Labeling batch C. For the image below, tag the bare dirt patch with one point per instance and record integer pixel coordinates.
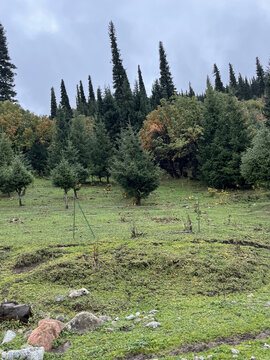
(165, 220)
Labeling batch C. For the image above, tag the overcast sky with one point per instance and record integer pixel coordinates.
(50, 40)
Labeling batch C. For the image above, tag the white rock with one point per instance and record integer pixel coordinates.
(110, 329)
(105, 318)
(199, 358)
(113, 323)
(35, 353)
(178, 319)
(20, 331)
(9, 336)
(153, 325)
(77, 293)
(138, 314)
(153, 311)
(235, 351)
(130, 317)
(253, 358)
(210, 357)
(116, 319)
(266, 346)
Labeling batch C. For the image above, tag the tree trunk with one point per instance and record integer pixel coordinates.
(108, 179)
(66, 199)
(75, 193)
(20, 198)
(138, 201)
(10, 311)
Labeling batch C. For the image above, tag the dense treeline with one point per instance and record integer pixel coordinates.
(215, 136)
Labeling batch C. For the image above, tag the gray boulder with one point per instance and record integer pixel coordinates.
(153, 325)
(77, 293)
(9, 336)
(35, 353)
(83, 323)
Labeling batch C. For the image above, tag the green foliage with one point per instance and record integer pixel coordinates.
(225, 138)
(260, 78)
(71, 154)
(171, 134)
(6, 152)
(166, 82)
(109, 114)
(218, 83)
(255, 166)
(133, 168)
(53, 104)
(266, 110)
(64, 102)
(6, 70)
(100, 152)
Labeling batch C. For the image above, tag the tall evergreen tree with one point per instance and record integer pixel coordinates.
(110, 115)
(64, 103)
(6, 152)
(156, 95)
(266, 109)
(82, 105)
(218, 83)
(191, 92)
(80, 137)
(260, 77)
(166, 81)
(53, 104)
(233, 81)
(7, 73)
(92, 108)
(99, 102)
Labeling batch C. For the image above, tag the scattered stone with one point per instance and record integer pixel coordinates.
(138, 320)
(105, 318)
(77, 293)
(15, 219)
(60, 298)
(233, 302)
(199, 358)
(60, 318)
(9, 336)
(153, 311)
(183, 359)
(27, 334)
(83, 323)
(1, 351)
(266, 346)
(235, 356)
(153, 325)
(130, 317)
(267, 304)
(116, 319)
(137, 314)
(12, 310)
(250, 295)
(62, 348)
(209, 357)
(46, 332)
(35, 353)
(146, 317)
(113, 323)
(178, 319)
(110, 329)
(253, 358)
(235, 351)
(20, 331)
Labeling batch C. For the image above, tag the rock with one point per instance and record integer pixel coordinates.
(130, 317)
(62, 348)
(9, 336)
(27, 334)
(11, 310)
(153, 311)
(77, 293)
(60, 298)
(113, 323)
(35, 353)
(116, 319)
(266, 346)
(250, 295)
(267, 304)
(138, 320)
(253, 358)
(199, 358)
(20, 331)
(105, 318)
(153, 325)
(233, 302)
(137, 314)
(178, 319)
(1, 351)
(60, 318)
(83, 323)
(46, 332)
(235, 351)
(209, 357)
(110, 329)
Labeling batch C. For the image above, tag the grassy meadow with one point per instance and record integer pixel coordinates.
(207, 285)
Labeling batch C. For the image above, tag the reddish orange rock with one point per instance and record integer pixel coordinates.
(45, 333)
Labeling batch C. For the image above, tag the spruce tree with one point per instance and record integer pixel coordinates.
(92, 106)
(110, 115)
(166, 81)
(260, 77)
(233, 82)
(100, 152)
(82, 105)
(6, 152)
(156, 95)
(191, 92)
(266, 109)
(7, 73)
(144, 104)
(218, 83)
(80, 137)
(64, 103)
(53, 104)
(133, 168)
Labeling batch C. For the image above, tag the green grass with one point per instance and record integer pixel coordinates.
(203, 277)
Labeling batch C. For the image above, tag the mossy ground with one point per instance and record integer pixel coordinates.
(203, 277)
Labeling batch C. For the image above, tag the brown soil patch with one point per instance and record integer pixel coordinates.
(165, 220)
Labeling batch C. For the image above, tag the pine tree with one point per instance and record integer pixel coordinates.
(92, 108)
(260, 77)
(133, 168)
(191, 92)
(233, 82)
(99, 102)
(82, 105)
(218, 83)
(64, 103)
(266, 109)
(6, 152)
(65, 177)
(144, 101)
(100, 152)
(156, 95)
(110, 115)
(79, 136)
(7, 73)
(166, 81)
(53, 104)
